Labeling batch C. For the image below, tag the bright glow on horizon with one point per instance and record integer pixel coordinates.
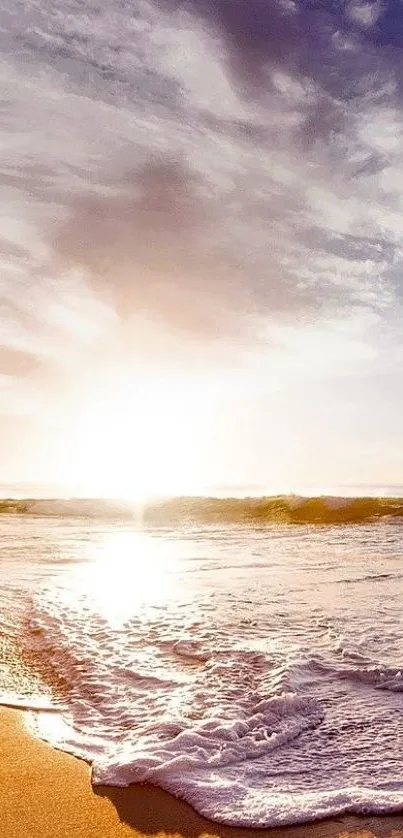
(138, 440)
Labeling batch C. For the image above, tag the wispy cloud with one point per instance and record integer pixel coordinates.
(211, 174)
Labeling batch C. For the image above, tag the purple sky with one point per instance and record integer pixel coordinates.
(201, 242)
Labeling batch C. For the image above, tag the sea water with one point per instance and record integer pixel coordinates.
(255, 672)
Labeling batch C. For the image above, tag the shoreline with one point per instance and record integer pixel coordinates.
(47, 793)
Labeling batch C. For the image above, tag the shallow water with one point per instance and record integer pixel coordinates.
(254, 672)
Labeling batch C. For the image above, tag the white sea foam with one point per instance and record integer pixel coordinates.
(256, 674)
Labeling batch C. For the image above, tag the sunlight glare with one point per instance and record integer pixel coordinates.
(130, 570)
(139, 441)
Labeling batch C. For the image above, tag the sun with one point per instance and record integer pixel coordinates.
(139, 440)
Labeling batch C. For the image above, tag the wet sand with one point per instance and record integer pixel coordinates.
(48, 794)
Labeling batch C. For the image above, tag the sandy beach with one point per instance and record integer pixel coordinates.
(48, 794)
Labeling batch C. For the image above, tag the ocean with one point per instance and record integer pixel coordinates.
(255, 671)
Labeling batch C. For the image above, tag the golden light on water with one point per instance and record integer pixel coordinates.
(129, 570)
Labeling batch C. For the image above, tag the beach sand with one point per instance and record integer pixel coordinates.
(48, 794)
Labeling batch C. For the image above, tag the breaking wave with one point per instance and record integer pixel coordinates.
(285, 509)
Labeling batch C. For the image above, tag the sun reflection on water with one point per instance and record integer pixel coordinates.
(128, 570)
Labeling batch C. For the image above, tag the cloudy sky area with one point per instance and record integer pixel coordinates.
(202, 242)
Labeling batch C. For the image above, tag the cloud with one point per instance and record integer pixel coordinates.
(195, 175)
(260, 37)
(364, 14)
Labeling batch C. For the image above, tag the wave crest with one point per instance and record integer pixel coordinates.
(286, 509)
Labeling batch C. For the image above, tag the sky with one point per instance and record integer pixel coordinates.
(201, 243)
